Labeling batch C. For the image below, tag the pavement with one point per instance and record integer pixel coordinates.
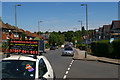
(80, 55)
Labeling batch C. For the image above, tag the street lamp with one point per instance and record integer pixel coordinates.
(16, 18)
(39, 27)
(81, 25)
(86, 28)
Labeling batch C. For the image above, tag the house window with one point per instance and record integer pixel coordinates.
(25, 36)
(6, 31)
(9, 30)
(30, 38)
(7, 37)
(16, 35)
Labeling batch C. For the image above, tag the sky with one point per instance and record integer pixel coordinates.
(59, 16)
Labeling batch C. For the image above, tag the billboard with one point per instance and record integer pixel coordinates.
(25, 47)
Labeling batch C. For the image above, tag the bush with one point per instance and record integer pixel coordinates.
(116, 48)
(47, 46)
(102, 48)
(81, 46)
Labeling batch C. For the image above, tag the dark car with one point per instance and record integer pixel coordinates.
(66, 45)
(52, 48)
(56, 47)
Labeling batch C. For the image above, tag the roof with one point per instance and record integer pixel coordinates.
(17, 30)
(106, 28)
(3, 26)
(28, 33)
(21, 57)
(100, 29)
(116, 23)
(9, 26)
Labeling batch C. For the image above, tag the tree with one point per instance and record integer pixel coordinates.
(61, 39)
(39, 32)
(83, 31)
(53, 40)
(23, 36)
(68, 35)
(59, 32)
(36, 38)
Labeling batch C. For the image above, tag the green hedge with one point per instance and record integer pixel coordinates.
(102, 48)
(105, 49)
(116, 48)
(81, 46)
(47, 46)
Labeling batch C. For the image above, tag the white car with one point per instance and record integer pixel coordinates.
(27, 67)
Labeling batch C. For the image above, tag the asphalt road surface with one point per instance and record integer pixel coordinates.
(67, 68)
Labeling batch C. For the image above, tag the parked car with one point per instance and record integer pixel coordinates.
(56, 47)
(62, 46)
(66, 45)
(68, 51)
(52, 48)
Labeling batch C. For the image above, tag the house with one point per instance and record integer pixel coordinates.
(100, 32)
(115, 29)
(10, 32)
(106, 31)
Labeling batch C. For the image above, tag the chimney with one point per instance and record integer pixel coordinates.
(34, 32)
(6, 24)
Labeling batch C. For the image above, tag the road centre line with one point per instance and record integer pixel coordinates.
(66, 73)
(70, 65)
(64, 76)
(68, 69)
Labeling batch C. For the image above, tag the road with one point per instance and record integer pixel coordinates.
(67, 68)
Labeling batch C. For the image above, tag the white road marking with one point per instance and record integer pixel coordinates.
(68, 69)
(66, 72)
(72, 61)
(64, 76)
(70, 65)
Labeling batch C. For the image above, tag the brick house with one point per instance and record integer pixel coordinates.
(10, 32)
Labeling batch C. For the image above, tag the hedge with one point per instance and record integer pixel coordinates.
(102, 48)
(81, 46)
(116, 48)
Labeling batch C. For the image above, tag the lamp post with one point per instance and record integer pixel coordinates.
(86, 28)
(81, 27)
(39, 27)
(16, 18)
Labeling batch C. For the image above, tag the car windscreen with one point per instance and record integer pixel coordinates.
(18, 69)
(68, 48)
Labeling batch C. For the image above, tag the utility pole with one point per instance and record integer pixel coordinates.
(86, 28)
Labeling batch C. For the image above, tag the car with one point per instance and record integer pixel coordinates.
(66, 45)
(68, 51)
(62, 46)
(52, 48)
(27, 67)
(56, 47)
